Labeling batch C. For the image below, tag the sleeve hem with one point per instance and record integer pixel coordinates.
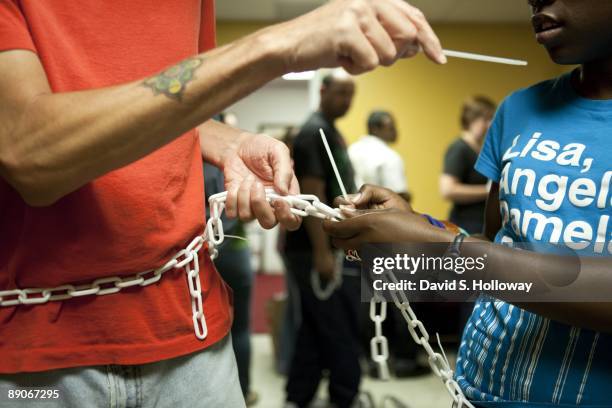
(488, 170)
(18, 47)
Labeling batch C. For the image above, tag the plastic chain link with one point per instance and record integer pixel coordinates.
(303, 205)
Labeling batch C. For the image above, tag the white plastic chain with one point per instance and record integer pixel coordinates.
(379, 346)
(303, 205)
(186, 258)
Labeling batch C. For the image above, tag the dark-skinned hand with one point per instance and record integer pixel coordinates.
(372, 197)
(386, 225)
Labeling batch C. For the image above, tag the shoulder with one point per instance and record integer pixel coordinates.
(310, 128)
(316, 121)
(534, 96)
(358, 146)
(393, 156)
(307, 127)
(457, 146)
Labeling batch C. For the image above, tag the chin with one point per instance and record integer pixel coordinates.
(565, 56)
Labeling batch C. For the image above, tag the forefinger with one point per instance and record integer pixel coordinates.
(340, 200)
(425, 34)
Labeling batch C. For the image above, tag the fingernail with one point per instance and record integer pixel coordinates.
(443, 59)
(356, 198)
(347, 208)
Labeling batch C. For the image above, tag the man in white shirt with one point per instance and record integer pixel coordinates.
(374, 161)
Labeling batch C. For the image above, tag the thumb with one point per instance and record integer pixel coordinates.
(341, 229)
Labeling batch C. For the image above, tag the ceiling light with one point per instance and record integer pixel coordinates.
(299, 76)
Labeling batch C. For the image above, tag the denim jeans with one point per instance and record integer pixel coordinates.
(207, 378)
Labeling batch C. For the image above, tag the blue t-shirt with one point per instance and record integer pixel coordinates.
(550, 150)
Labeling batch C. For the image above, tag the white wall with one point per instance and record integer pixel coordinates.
(279, 102)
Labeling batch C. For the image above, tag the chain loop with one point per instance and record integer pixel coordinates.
(104, 281)
(59, 296)
(33, 300)
(84, 290)
(379, 345)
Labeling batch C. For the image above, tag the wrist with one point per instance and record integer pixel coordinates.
(219, 142)
(231, 146)
(437, 232)
(274, 50)
(436, 235)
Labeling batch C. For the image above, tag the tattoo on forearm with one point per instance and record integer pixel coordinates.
(172, 81)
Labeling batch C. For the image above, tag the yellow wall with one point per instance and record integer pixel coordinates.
(426, 98)
(230, 31)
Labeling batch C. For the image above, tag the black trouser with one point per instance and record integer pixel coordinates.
(328, 338)
(234, 265)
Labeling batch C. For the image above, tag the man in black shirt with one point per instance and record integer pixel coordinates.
(460, 183)
(328, 329)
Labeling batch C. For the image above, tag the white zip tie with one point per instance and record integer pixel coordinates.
(442, 349)
(482, 57)
(236, 237)
(333, 163)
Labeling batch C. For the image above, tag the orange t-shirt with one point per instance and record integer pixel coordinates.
(130, 220)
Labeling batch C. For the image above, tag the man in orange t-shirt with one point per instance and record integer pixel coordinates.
(101, 178)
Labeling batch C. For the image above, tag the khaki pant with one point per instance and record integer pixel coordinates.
(207, 379)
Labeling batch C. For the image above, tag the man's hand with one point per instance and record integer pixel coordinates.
(357, 35)
(256, 162)
(372, 197)
(53, 143)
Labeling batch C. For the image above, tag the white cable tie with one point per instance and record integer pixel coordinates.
(333, 163)
(235, 237)
(482, 57)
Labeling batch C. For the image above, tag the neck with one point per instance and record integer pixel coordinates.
(594, 79)
(471, 140)
(327, 116)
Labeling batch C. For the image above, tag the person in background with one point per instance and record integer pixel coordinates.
(374, 161)
(460, 183)
(234, 265)
(328, 330)
(291, 133)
